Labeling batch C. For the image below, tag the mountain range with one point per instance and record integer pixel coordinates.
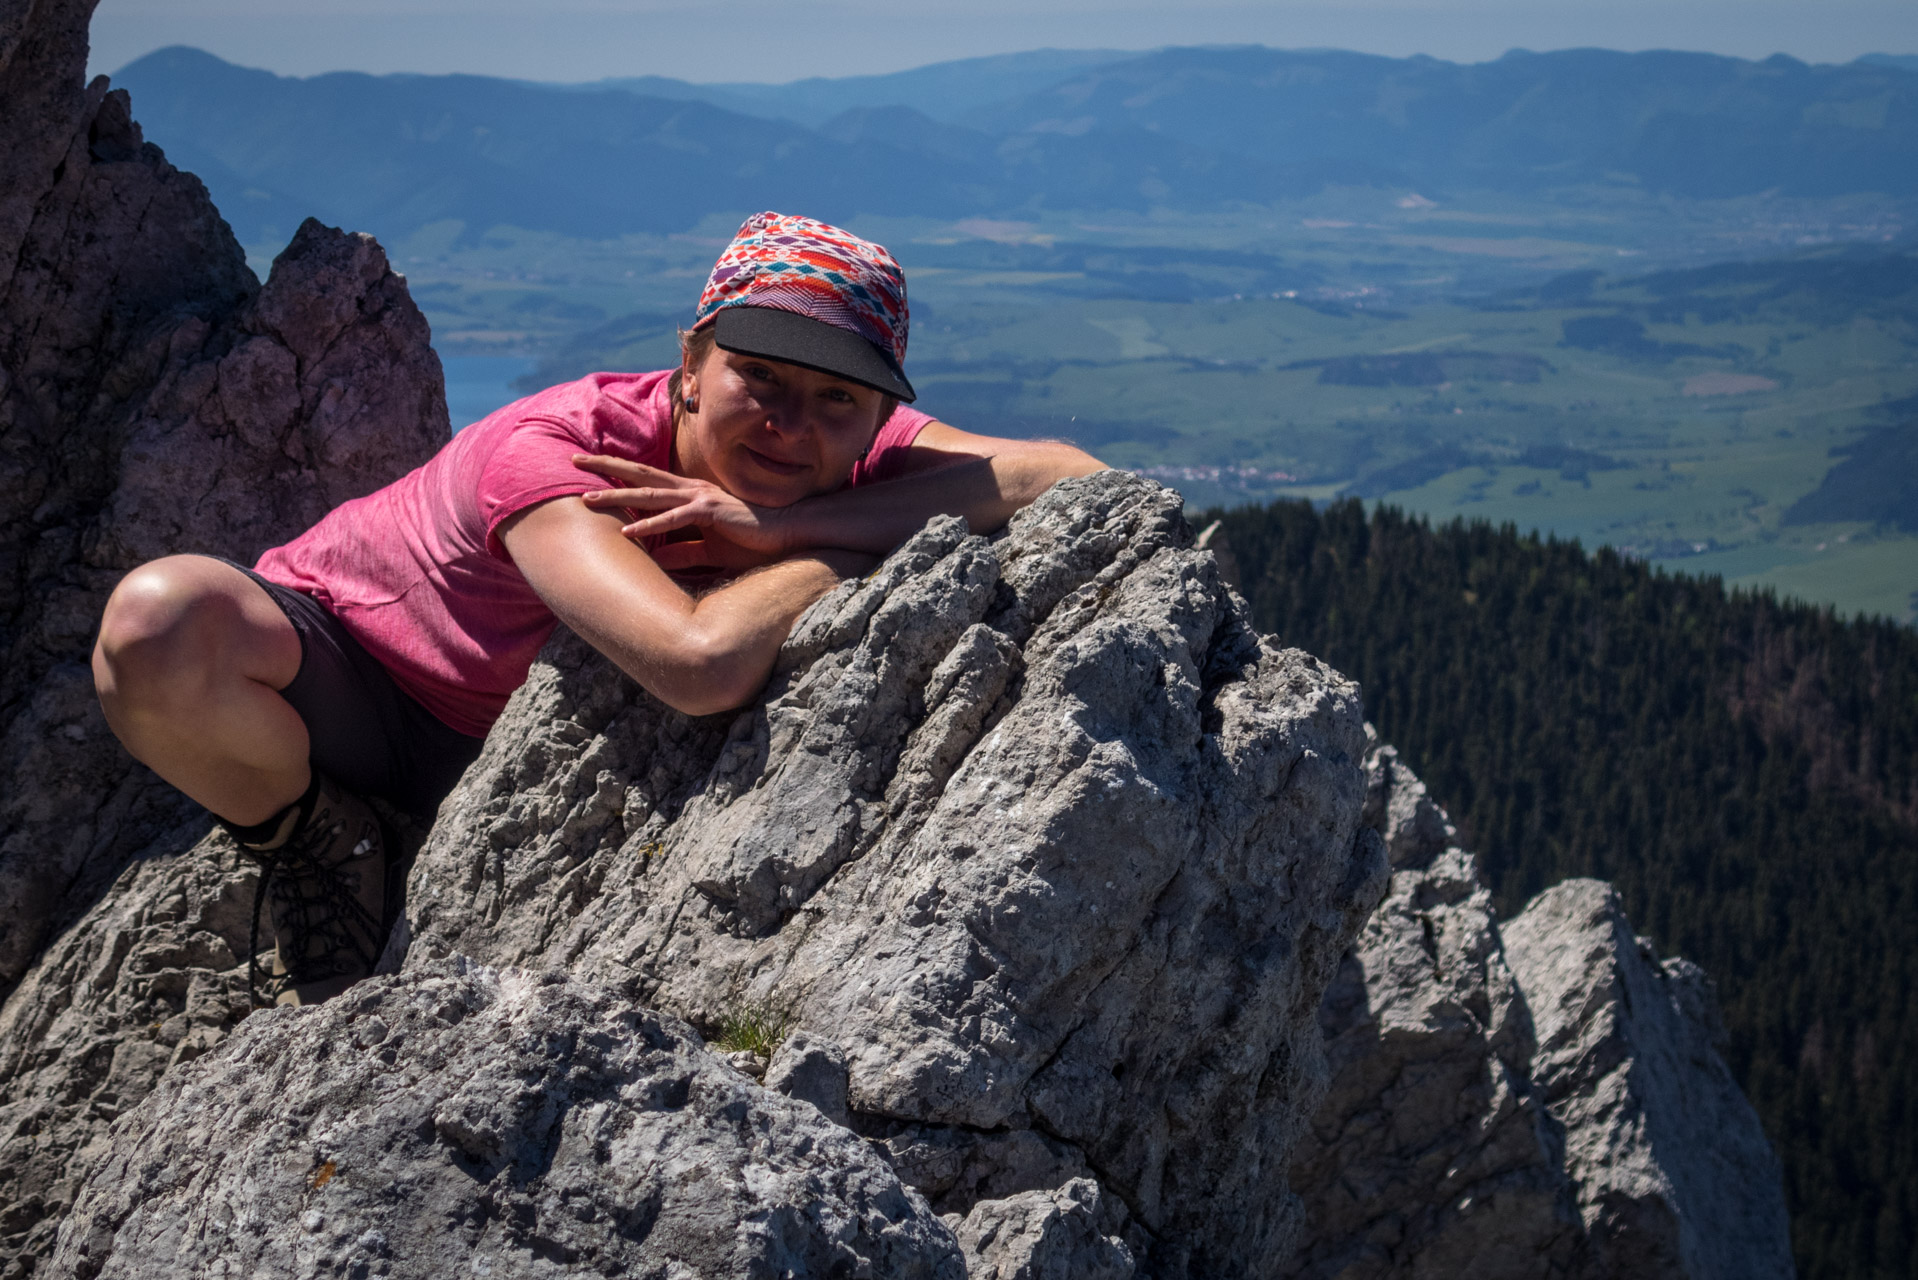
(1190, 129)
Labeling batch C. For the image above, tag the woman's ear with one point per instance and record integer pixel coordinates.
(689, 387)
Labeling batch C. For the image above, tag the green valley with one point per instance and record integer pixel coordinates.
(1685, 416)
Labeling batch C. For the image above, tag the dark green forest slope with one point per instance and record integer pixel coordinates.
(1745, 771)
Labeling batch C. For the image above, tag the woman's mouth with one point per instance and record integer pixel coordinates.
(775, 465)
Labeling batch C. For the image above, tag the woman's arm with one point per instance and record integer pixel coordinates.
(700, 655)
(947, 472)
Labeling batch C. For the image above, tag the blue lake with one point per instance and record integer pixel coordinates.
(477, 385)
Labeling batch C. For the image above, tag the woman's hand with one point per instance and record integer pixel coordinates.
(740, 534)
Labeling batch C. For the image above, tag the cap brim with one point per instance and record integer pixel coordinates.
(795, 339)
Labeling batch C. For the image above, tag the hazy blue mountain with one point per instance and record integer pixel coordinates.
(393, 153)
(1903, 61)
(944, 90)
(1688, 123)
(1191, 129)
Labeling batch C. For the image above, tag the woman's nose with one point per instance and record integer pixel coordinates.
(786, 416)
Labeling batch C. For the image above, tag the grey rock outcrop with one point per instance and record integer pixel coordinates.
(1056, 867)
(1672, 1172)
(461, 1121)
(813, 1070)
(1228, 774)
(149, 979)
(1067, 1234)
(1052, 847)
(1535, 1099)
(153, 399)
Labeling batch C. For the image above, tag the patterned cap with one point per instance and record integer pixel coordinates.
(809, 268)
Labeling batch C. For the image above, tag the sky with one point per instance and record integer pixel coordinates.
(758, 40)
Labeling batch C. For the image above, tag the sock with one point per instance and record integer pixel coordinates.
(278, 829)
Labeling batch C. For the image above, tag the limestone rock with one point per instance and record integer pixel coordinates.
(462, 1121)
(1397, 804)
(1674, 1177)
(1532, 1100)
(1431, 1156)
(1046, 1235)
(1048, 858)
(149, 979)
(1035, 829)
(958, 1168)
(813, 1070)
(153, 399)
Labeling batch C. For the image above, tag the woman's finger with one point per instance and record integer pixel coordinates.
(625, 469)
(664, 522)
(636, 498)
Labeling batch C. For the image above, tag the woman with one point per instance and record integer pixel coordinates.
(370, 655)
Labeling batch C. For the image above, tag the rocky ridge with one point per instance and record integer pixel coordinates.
(1053, 870)
(1071, 1019)
(1540, 1097)
(154, 398)
(460, 1120)
(1054, 849)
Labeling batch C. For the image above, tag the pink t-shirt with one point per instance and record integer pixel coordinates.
(416, 574)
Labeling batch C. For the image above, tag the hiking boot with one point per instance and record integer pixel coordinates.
(328, 880)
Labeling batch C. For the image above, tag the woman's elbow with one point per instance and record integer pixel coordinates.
(1078, 462)
(705, 679)
(1053, 461)
(710, 701)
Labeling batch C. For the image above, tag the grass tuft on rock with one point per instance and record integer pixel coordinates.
(753, 1028)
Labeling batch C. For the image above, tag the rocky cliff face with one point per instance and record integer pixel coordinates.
(460, 1121)
(1043, 855)
(1536, 1098)
(1050, 870)
(153, 399)
(1052, 847)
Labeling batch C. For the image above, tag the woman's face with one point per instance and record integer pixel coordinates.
(772, 433)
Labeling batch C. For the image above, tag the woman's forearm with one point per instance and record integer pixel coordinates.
(699, 655)
(985, 490)
(720, 653)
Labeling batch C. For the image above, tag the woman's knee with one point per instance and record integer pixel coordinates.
(165, 626)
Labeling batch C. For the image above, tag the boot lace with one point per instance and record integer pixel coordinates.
(320, 921)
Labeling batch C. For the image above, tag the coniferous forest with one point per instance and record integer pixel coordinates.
(1744, 770)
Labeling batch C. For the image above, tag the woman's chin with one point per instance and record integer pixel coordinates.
(765, 486)
(769, 491)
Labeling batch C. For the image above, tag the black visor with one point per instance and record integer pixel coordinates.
(795, 339)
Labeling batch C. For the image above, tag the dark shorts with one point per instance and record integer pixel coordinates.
(367, 733)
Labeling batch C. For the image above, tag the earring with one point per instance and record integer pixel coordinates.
(691, 402)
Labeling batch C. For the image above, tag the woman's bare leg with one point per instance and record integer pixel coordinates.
(191, 656)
